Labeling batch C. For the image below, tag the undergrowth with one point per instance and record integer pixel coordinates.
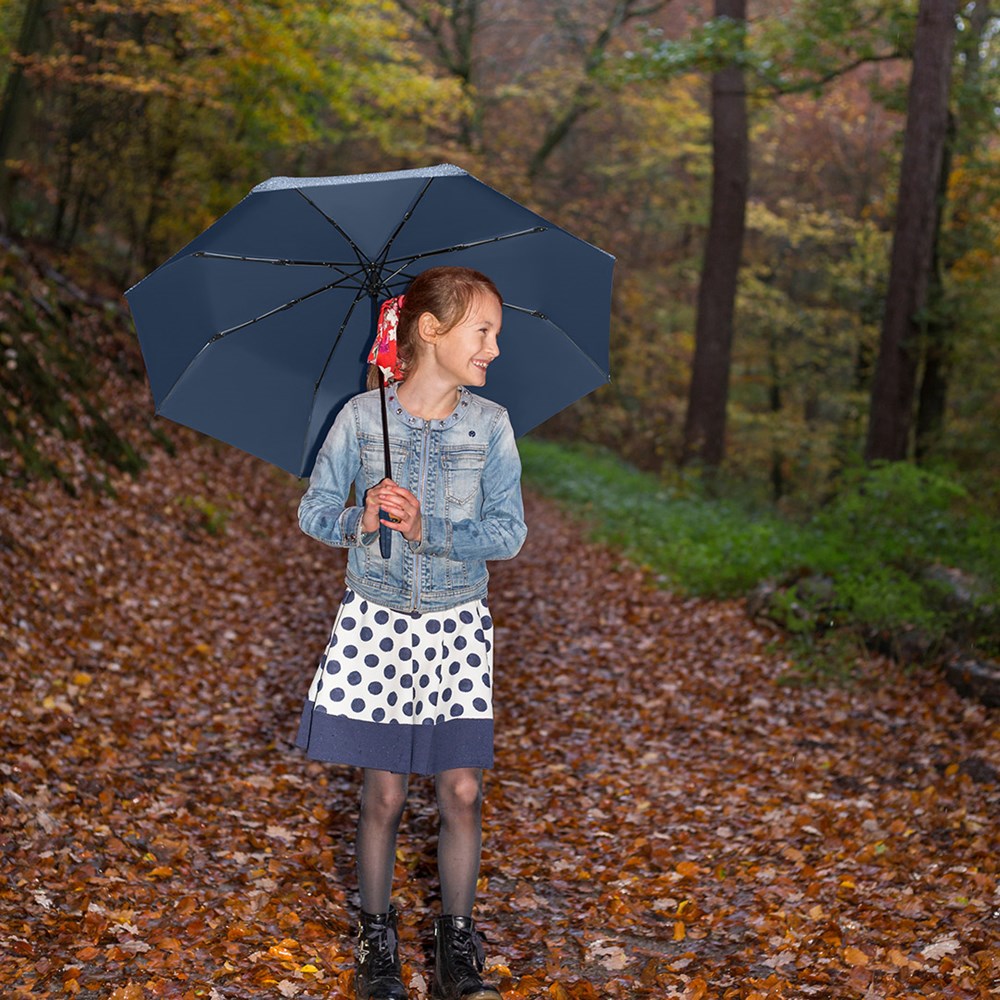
(901, 560)
(58, 348)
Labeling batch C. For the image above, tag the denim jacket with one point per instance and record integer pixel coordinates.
(464, 469)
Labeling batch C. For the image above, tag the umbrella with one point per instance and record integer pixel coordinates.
(257, 332)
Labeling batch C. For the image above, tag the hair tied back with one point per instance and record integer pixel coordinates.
(384, 351)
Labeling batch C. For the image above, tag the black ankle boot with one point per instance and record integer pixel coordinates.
(377, 972)
(458, 960)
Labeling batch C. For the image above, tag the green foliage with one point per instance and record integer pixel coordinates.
(152, 120)
(708, 47)
(691, 542)
(898, 551)
(148, 121)
(810, 43)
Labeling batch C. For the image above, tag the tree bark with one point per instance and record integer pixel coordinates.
(892, 397)
(708, 393)
(960, 141)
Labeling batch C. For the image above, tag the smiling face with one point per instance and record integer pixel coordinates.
(463, 353)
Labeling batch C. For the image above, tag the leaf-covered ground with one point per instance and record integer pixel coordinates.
(665, 819)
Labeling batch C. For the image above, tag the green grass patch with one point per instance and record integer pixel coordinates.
(696, 545)
(898, 552)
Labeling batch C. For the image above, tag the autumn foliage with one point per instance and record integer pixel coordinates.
(665, 819)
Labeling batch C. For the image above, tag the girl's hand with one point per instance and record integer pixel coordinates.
(399, 504)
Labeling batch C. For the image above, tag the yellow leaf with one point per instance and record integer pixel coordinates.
(308, 968)
(679, 930)
(82, 679)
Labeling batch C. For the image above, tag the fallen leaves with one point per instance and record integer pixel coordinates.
(663, 821)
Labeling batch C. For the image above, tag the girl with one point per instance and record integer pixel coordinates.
(405, 684)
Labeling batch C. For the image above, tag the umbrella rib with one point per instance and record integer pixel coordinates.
(242, 326)
(283, 261)
(462, 246)
(326, 364)
(407, 215)
(359, 253)
(538, 314)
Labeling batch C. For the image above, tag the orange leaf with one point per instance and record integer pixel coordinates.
(855, 956)
(696, 989)
(133, 991)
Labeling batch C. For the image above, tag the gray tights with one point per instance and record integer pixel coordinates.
(383, 798)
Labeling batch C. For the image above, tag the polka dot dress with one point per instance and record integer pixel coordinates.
(403, 691)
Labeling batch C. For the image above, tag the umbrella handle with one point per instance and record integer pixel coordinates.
(384, 533)
(384, 536)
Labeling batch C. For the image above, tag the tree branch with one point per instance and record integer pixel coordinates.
(582, 98)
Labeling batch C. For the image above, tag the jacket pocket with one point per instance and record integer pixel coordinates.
(463, 473)
(373, 462)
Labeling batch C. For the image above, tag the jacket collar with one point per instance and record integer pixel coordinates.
(400, 413)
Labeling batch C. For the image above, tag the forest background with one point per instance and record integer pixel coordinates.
(742, 160)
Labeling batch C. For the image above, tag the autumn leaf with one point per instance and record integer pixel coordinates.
(663, 818)
(695, 989)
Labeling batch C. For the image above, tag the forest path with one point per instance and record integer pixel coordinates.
(664, 819)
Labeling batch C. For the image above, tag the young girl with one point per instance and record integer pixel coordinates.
(405, 685)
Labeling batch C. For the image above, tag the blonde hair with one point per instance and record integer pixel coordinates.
(447, 293)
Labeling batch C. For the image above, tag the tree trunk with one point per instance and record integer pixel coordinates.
(937, 334)
(34, 37)
(960, 141)
(891, 411)
(708, 393)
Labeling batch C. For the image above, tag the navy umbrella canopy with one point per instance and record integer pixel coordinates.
(258, 331)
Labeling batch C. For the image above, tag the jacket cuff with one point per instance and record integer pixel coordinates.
(354, 535)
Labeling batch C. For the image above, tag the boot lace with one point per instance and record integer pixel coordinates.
(468, 947)
(380, 943)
